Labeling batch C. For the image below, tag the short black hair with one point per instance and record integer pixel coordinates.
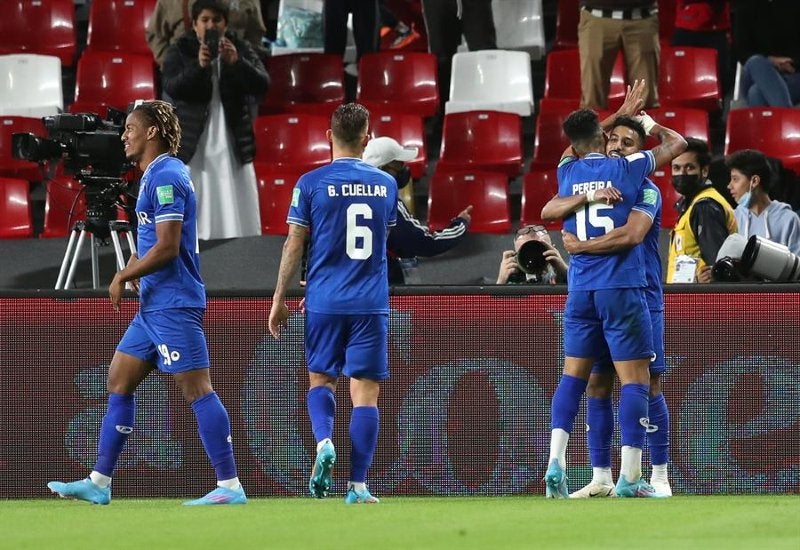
(213, 5)
(700, 150)
(349, 123)
(632, 123)
(581, 126)
(751, 162)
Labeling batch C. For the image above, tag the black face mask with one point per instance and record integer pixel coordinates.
(686, 184)
(403, 177)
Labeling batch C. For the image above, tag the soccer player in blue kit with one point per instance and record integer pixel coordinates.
(345, 209)
(167, 332)
(606, 302)
(627, 136)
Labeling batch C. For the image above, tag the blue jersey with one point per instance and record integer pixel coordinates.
(596, 171)
(649, 202)
(348, 206)
(166, 193)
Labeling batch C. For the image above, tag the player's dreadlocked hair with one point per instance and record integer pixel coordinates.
(161, 115)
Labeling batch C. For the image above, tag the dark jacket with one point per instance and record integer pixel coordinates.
(189, 87)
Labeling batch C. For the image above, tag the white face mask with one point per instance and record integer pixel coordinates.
(744, 200)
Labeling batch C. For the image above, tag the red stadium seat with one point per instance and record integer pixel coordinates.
(274, 196)
(112, 79)
(666, 19)
(309, 83)
(549, 140)
(687, 77)
(481, 140)
(669, 196)
(16, 219)
(292, 142)
(451, 192)
(407, 130)
(562, 79)
(567, 19)
(537, 189)
(773, 131)
(45, 27)
(119, 25)
(65, 204)
(9, 166)
(687, 122)
(398, 82)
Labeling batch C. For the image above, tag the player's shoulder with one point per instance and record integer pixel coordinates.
(170, 170)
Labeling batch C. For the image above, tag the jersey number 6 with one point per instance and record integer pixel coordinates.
(358, 250)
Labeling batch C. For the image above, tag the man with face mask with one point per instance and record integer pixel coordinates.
(409, 238)
(706, 217)
(757, 214)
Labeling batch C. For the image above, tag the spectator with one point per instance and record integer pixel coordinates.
(409, 237)
(756, 213)
(446, 21)
(706, 218)
(554, 270)
(767, 44)
(171, 20)
(210, 92)
(605, 27)
(705, 24)
(366, 25)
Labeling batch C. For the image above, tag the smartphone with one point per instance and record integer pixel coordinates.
(211, 39)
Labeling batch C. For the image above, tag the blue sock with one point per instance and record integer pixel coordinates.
(658, 441)
(364, 425)
(632, 408)
(321, 405)
(215, 432)
(114, 431)
(600, 420)
(566, 401)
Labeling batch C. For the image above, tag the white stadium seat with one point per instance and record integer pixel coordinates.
(495, 80)
(30, 85)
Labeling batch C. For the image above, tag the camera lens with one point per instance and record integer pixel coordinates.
(530, 257)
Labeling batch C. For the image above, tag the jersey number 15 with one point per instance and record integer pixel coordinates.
(591, 216)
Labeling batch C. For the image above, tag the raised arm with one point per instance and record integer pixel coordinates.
(671, 144)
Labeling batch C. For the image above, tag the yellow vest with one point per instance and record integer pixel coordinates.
(684, 241)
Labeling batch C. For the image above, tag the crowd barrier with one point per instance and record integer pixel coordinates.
(466, 411)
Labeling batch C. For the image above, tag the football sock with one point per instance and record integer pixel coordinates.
(99, 479)
(659, 473)
(215, 433)
(364, 425)
(323, 442)
(600, 427)
(633, 422)
(658, 439)
(558, 446)
(602, 475)
(321, 405)
(359, 486)
(117, 425)
(566, 401)
(232, 484)
(630, 464)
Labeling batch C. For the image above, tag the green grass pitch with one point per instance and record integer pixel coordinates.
(727, 522)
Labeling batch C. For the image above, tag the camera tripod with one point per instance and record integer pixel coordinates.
(76, 240)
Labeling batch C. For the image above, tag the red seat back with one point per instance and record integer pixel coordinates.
(112, 79)
(669, 196)
(45, 27)
(16, 220)
(567, 18)
(482, 140)
(451, 192)
(398, 82)
(687, 77)
(9, 166)
(309, 83)
(274, 196)
(773, 131)
(687, 122)
(549, 139)
(407, 130)
(119, 25)
(294, 142)
(539, 186)
(563, 79)
(64, 205)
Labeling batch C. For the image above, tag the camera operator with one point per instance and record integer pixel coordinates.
(756, 213)
(210, 75)
(553, 268)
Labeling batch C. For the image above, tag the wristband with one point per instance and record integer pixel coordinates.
(590, 195)
(647, 121)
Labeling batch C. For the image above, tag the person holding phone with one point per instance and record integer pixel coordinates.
(211, 77)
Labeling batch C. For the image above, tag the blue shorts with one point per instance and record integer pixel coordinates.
(171, 339)
(616, 316)
(658, 364)
(354, 345)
